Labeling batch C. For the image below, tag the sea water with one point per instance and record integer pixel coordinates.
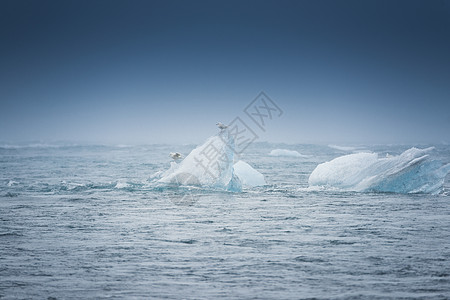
(91, 222)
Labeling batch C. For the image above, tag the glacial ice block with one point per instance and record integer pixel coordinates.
(248, 175)
(413, 171)
(208, 165)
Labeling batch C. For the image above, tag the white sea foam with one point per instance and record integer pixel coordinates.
(11, 183)
(121, 185)
(286, 153)
(414, 171)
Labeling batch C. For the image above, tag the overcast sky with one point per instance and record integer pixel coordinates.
(167, 71)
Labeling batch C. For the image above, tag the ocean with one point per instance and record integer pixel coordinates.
(91, 222)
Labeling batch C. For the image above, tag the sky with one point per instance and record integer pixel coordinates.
(106, 71)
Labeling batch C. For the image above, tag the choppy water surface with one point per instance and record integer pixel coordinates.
(89, 222)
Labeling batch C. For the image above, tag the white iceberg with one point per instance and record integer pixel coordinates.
(248, 175)
(343, 148)
(414, 171)
(286, 153)
(209, 165)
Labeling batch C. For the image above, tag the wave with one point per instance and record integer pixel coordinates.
(25, 146)
(413, 171)
(62, 145)
(65, 187)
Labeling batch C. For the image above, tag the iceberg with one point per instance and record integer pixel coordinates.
(209, 165)
(413, 171)
(248, 175)
(286, 153)
(344, 148)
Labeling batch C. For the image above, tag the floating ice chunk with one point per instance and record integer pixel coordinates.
(343, 172)
(343, 148)
(285, 152)
(414, 171)
(210, 165)
(248, 175)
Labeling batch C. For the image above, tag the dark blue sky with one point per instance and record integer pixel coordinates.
(167, 71)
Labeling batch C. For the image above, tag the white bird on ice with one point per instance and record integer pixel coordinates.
(221, 126)
(175, 155)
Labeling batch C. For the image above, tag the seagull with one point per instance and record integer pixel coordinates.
(221, 126)
(175, 155)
